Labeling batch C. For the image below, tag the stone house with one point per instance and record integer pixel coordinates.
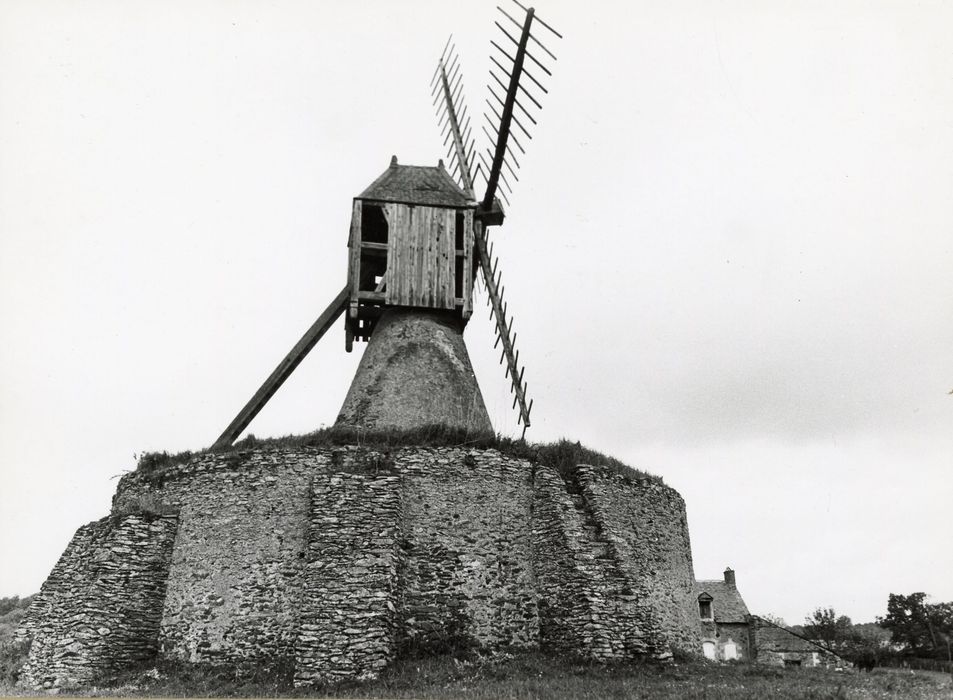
(723, 618)
(777, 646)
(729, 632)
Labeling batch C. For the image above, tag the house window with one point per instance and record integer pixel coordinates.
(731, 650)
(704, 606)
(708, 649)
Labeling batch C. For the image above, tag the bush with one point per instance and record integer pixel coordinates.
(12, 657)
(153, 462)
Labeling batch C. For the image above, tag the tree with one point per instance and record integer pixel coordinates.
(859, 644)
(774, 620)
(920, 627)
(827, 628)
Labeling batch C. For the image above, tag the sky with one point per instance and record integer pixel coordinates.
(728, 255)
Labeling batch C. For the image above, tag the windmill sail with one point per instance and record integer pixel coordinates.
(510, 60)
(504, 328)
(455, 124)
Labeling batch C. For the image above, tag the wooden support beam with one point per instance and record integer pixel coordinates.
(284, 369)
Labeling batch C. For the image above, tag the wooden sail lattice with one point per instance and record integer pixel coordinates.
(452, 117)
(504, 326)
(447, 91)
(513, 68)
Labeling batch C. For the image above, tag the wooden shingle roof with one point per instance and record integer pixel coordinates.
(727, 603)
(416, 184)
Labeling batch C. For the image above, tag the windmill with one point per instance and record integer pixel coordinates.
(417, 237)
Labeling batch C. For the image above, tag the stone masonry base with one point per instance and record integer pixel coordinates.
(339, 560)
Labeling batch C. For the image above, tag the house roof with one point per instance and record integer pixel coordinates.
(727, 603)
(417, 184)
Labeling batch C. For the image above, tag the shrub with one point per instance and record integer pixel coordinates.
(12, 657)
(153, 462)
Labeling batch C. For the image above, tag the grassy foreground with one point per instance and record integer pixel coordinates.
(539, 676)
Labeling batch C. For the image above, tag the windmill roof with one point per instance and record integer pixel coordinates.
(727, 603)
(417, 184)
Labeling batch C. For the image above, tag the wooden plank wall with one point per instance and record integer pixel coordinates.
(420, 256)
(354, 256)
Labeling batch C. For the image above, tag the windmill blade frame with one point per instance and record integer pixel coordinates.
(507, 117)
(491, 279)
(446, 80)
(459, 159)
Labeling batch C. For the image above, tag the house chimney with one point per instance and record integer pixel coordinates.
(730, 577)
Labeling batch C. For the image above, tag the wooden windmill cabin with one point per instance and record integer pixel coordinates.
(411, 245)
(411, 267)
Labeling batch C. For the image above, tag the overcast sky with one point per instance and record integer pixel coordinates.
(729, 256)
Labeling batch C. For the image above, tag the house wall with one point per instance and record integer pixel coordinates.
(736, 632)
(337, 560)
(774, 646)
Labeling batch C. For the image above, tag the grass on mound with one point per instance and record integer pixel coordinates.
(563, 455)
(536, 675)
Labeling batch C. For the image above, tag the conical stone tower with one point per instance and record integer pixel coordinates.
(415, 372)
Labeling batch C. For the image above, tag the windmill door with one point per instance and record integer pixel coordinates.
(420, 256)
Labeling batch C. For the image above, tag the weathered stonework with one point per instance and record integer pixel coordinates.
(467, 573)
(338, 560)
(415, 372)
(587, 606)
(647, 529)
(347, 624)
(99, 610)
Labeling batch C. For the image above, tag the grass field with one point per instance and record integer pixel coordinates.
(538, 676)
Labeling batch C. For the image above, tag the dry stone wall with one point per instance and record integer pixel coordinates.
(347, 624)
(646, 523)
(466, 574)
(99, 610)
(235, 578)
(587, 605)
(338, 560)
